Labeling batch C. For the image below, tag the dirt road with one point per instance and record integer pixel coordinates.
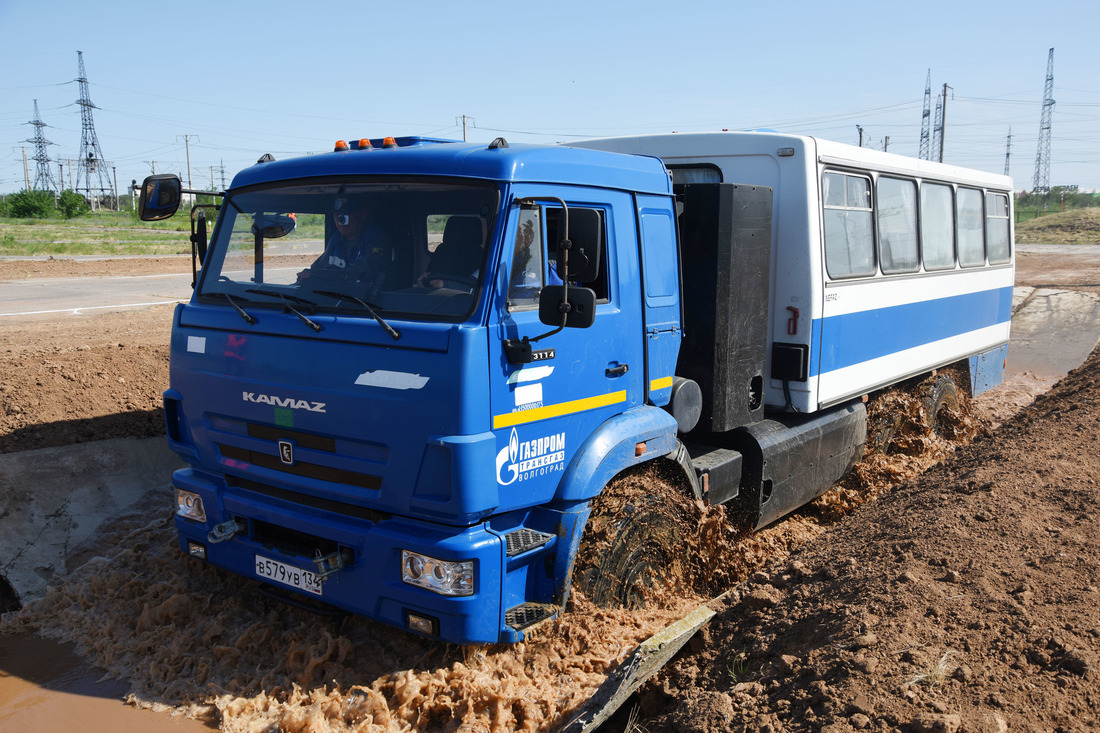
(965, 599)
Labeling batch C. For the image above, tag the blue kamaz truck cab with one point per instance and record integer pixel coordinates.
(408, 443)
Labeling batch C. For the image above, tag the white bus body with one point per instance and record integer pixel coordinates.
(909, 268)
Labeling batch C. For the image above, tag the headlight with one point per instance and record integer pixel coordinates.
(439, 576)
(189, 506)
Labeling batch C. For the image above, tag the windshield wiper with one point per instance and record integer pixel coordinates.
(247, 318)
(393, 332)
(286, 303)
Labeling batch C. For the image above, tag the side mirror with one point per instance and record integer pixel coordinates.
(579, 310)
(160, 197)
(586, 236)
(273, 226)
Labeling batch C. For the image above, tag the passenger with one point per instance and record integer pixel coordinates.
(359, 251)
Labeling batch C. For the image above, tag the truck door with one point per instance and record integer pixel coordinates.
(543, 411)
(661, 276)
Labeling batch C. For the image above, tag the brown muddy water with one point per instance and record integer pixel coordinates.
(45, 686)
(170, 636)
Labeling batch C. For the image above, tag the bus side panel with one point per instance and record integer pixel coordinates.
(879, 331)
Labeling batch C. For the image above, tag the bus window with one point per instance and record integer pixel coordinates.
(937, 226)
(849, 239)
(996, 227)
(968, 206)
(897, 225)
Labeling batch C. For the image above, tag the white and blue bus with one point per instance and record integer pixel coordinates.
(883, 267)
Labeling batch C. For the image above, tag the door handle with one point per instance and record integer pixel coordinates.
(617, 371)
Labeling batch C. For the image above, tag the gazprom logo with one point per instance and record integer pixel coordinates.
(521, 460)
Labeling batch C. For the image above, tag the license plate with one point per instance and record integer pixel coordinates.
(280, 572)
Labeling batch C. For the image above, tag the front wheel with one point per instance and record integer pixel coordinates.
(633, 547)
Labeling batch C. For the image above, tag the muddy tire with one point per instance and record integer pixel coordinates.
(941, 397)
(634, 543)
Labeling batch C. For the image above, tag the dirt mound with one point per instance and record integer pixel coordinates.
(82, 378)
(966, 599)
(1076, 226)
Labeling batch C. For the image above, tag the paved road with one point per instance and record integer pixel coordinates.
(56, 295)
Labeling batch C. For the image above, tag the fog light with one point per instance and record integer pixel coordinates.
(439, 576)
(422, 624)
(196, 549)
(189, 505)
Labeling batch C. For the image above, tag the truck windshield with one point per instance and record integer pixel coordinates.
(414, 249)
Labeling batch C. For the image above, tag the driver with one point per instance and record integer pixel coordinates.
(359, 251)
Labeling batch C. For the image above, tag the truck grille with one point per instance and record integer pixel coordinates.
(299, 468)
(316, 502)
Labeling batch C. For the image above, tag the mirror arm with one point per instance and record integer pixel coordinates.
(198, 238)
(193, 192)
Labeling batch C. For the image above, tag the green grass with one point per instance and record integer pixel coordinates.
(99, 233)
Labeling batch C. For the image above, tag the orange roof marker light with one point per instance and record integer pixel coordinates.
(389, 142)
(340, 145)
(364, 144)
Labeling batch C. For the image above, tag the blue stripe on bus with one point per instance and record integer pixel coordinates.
(854, 338)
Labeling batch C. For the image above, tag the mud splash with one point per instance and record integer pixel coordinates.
(198, 641)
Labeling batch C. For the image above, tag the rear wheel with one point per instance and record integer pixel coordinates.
(634, 543)
(941, 405)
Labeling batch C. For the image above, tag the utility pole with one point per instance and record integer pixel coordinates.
(465, 119)
(187, 146)
(1008, 149)
(858, 127)
(943, 119)
(937, 129)
(26, 171)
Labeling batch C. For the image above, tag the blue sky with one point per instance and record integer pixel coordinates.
(240, 79)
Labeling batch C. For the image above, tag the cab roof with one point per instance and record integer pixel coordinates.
(494, 162)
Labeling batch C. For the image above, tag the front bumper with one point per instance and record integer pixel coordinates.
(370, 582)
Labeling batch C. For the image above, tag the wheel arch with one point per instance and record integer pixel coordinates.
(612, 448)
